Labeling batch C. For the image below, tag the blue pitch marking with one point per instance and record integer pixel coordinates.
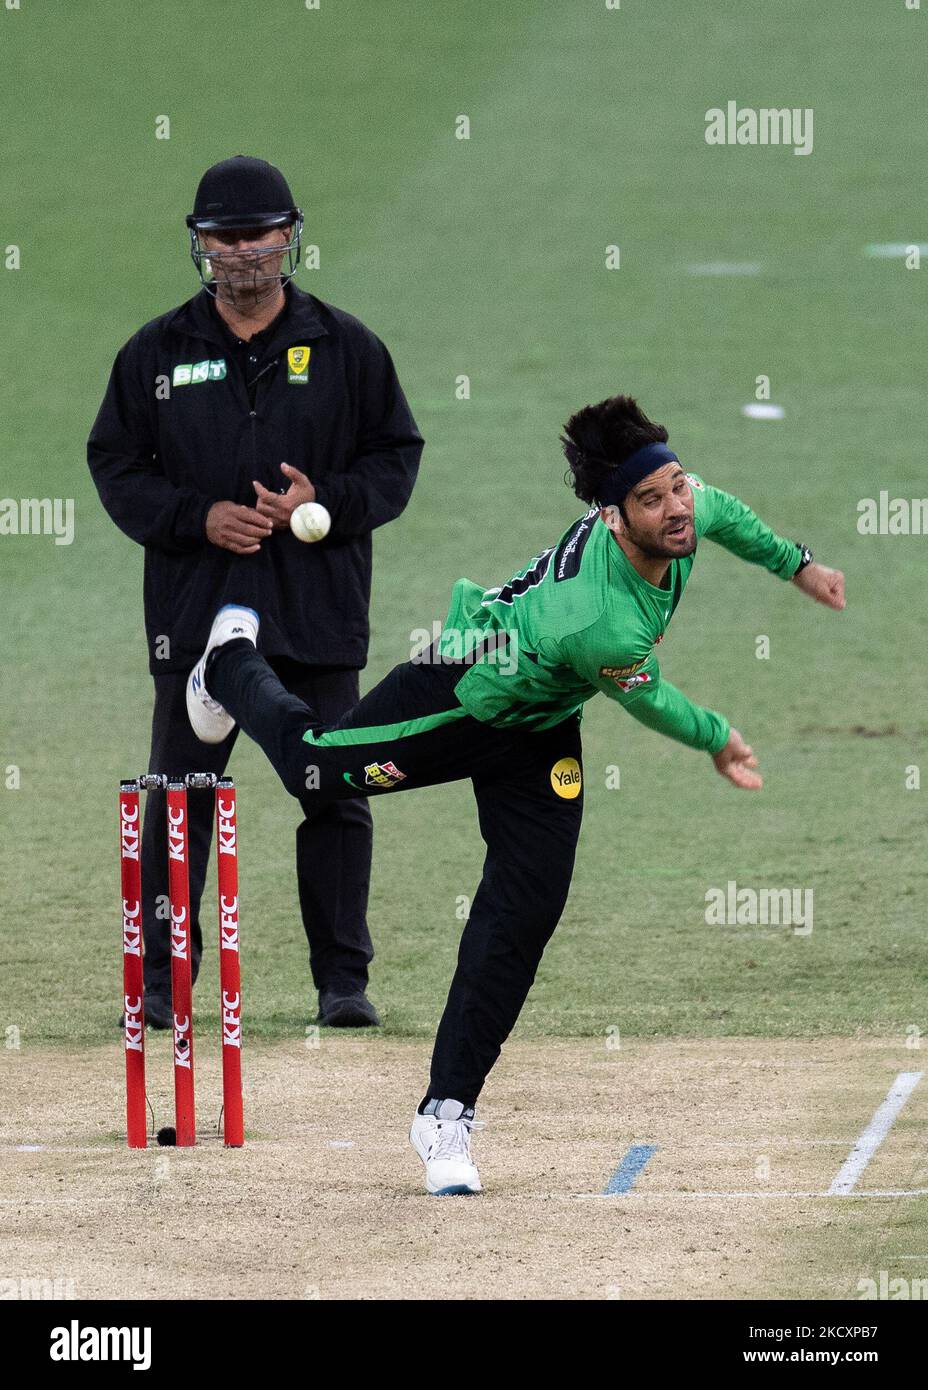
(623, 1179)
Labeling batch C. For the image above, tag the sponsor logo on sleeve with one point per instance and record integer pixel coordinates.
(695, 482)
(298, 365)
(614, 672)
(642, 678)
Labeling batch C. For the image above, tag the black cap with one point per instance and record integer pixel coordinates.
(242, 192)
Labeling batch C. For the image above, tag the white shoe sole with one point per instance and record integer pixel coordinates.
(208, 719)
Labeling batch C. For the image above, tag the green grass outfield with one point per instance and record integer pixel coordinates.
(486, 257)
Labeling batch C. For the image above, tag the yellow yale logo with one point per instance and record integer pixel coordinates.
(566, 778)
(298, 362)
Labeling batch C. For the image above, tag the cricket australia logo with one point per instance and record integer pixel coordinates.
(383, 775)
(298, 365)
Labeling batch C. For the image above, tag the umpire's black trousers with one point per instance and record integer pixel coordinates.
(333, 843)
(410, 731)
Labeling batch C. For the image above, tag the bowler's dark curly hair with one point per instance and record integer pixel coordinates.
(599, 437)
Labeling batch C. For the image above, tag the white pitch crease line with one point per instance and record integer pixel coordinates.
(875, 1192)
(673, 1196)
(875, 1133)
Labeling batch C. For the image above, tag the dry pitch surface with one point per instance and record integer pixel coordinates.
(325, 1200)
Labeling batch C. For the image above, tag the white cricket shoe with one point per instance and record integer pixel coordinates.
(442, 1141)
(210, 722)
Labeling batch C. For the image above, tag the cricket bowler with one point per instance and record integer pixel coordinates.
(498, 699)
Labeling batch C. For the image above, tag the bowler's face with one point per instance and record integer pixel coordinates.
(660, 513)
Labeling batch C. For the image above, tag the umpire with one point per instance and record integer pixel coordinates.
(220, 418)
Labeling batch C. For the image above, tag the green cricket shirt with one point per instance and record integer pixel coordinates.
(580, 620)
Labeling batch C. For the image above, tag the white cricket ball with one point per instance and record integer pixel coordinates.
(310, 521)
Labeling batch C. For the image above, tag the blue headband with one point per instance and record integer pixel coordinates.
(620, 480)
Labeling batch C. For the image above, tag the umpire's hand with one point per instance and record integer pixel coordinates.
(236, 528)
(277, 507)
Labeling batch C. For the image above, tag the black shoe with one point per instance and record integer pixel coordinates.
(340, 1009)
(158, 1012)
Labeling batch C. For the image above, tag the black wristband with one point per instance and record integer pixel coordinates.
(805, 558)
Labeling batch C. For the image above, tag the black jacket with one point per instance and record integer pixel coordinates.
(161, 453)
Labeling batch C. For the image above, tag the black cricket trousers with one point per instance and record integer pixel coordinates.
(411, 731)
(333, 843)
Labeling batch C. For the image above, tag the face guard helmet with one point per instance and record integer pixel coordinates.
(249, 194)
